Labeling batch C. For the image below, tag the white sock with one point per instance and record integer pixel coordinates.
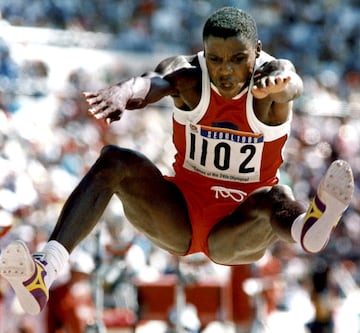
(296, 228)
(56, 257)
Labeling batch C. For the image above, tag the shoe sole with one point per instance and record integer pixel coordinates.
(17, 266)
(334, 195)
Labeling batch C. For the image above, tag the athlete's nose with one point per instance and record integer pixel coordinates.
(226, 68)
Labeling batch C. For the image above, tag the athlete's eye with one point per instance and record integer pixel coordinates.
(215, 60)
(238, 59)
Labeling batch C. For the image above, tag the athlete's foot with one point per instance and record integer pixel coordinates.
(333, 197)
(26, 276)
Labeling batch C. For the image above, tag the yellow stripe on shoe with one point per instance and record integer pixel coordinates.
(26, 276)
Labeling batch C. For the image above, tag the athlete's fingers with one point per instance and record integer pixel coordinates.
(110, 112)
(112, 118)
(88, 94)
(98, 108)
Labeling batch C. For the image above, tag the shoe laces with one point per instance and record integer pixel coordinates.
(40, 257)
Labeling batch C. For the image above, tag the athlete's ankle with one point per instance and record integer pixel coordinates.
(297, 227)
(53, 258)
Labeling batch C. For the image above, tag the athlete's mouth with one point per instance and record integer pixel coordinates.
(226, 85)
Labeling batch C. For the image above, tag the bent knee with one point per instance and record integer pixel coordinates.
(118, 158)
(113, 165)
(112, 151)
(282, 190)
(109, 149)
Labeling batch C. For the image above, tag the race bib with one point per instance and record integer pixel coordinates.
(224, 154)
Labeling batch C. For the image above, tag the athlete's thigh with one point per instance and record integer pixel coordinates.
(243, 236)
(155, 206)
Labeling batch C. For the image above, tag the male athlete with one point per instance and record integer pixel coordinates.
(232, 114)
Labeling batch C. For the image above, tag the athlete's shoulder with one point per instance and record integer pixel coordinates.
(266, 57)
(173, 64)
(184, 75)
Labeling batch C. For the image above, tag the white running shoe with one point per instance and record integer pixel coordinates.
(26, 276)
(333, 196)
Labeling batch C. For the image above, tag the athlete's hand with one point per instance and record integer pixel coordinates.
(108, 103)
(270, 78)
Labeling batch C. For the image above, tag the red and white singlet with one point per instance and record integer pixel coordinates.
(224, 153)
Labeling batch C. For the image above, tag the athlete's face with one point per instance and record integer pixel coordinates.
(230, 63)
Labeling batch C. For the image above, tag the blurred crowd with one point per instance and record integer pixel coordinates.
(48, 141)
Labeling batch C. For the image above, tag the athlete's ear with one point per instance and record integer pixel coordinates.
(258, 48)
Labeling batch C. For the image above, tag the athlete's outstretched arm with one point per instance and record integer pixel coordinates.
(135, 93)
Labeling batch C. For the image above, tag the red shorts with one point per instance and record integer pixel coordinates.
(207, 205)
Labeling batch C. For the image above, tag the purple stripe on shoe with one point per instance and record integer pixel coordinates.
(311, 220)
(40, 297)
(319, 204)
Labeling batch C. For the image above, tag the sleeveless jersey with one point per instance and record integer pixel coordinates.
(223, 154)
(221, 142)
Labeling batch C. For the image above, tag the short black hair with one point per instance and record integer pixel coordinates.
(231, 22)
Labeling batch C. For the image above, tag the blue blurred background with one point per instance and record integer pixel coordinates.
(52, 50)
